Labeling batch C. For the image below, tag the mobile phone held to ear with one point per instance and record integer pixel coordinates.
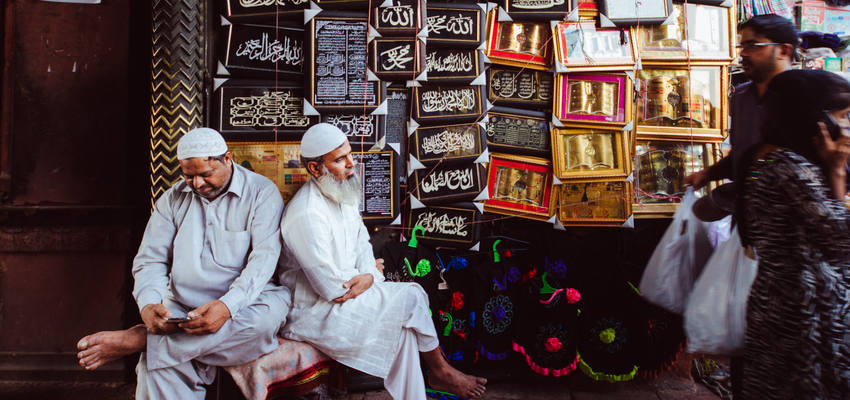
(831, 125)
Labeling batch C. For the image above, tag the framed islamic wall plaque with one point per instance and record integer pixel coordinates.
(278, 161)
(521, 88)
(628, 12)
(580, 46)
(519, 186)
(260, 110)
(517, 131)
(446, 226)
(538, 10)
(449, 183)
(455, 25)
(399, 18)
(675, 103)
(589, 153)
(263, 51)
(593, 98)
(363, 131)
(395, 59)
(594, 203)
(661, 166)
(710, 34)
(336, 64)
(520, 44)
(434, 105)
(453, 66)
(380, 202)
(398, 114)
(447, 143)
(237, 10)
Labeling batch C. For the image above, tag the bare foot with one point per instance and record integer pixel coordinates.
(455, 382)
(103, 347)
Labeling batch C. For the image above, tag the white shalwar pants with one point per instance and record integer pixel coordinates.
(177, 366)
(405, 380)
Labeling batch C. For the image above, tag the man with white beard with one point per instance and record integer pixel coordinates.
(341, 303)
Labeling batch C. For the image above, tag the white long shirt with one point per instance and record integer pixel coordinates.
(325, 245)
(195, 250)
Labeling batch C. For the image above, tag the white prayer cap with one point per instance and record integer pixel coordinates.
(321, 139)
(201, 142)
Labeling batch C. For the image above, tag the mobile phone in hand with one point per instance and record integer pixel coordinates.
(177, 320)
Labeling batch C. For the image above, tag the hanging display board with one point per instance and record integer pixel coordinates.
(448, 226)
(594, 203)
(520, 186)
(394, 59)
(236, 10)
(263, 51)
(455, 25)
(518, 131)
(521, 88)
(700, 33)
(449, 183)
(336, 57)
(446, 104)
(362, 131)
(521, 44)
(538, 10)
(379, 204)
(447, 143)
(453, 66)
(582, 46)
(399, 18)
(625, 13)
(593, 98)
(589, 153)
(260, 110)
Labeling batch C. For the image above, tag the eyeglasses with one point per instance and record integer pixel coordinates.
(751, 46)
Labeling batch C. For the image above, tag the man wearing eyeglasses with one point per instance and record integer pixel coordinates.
(767, 47)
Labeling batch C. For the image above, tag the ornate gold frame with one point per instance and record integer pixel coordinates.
(560, 161)
(594, 220)
(640, 34)
(513, 208)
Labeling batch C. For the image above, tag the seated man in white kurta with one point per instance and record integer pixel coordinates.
(341, 303)
(209, 252)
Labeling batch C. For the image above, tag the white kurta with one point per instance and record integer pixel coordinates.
(325, 245)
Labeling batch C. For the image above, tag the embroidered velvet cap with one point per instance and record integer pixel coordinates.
(201, 142)
(321, 139)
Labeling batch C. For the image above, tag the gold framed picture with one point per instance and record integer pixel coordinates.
(593, 98)
(581, 46)
(660, 167)
(701, 33)
(519, 44)
(519, 186)
(594, 203)
(278, 161)
(677, 103)
(589, 153)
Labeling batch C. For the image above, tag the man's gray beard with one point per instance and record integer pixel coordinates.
(345, 192)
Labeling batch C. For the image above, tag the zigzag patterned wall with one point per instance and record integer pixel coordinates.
(177, 84)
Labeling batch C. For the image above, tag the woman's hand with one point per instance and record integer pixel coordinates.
(834, 154)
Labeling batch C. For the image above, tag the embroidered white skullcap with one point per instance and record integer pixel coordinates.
(201, 142)
(321, 139)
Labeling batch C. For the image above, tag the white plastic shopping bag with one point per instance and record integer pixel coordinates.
(716, 316)
(678, 259)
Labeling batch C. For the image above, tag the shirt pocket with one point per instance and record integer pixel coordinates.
(230, 248)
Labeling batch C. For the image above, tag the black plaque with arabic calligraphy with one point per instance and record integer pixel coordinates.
(451, 226)
(449, 184)
(522, 88)
(379, 203)
(363, 131)
(455, 25)
(400, 18)
(434, 105)
(394, 59)
(453, 66)
(260, 110)
(237, 10)
(447, 144)
(337, 63)
(517, 131)
(263, 51)
(538, 10)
